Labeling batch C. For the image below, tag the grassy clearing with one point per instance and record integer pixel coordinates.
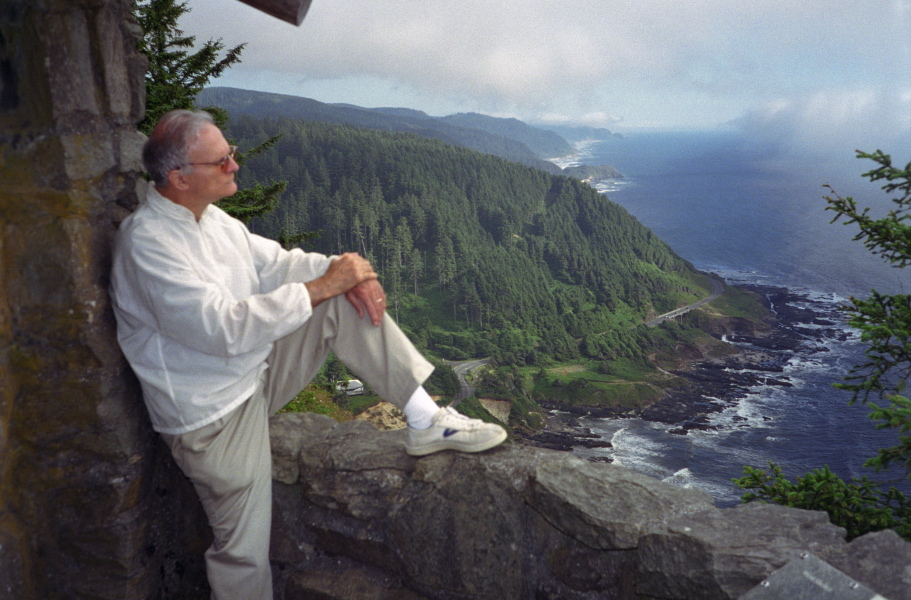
(743, 304)
(622, 384)
(317, 400)
(566, 370)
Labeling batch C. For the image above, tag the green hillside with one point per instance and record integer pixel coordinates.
(480, 256)
(484, 134)
(546, 144)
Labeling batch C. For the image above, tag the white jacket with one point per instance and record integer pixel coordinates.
(198, 306)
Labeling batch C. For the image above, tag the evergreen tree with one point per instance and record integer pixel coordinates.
(417, 268)
(176, 75)
(885, 324)
(446, 262)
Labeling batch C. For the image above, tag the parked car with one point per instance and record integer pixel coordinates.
(352, 387)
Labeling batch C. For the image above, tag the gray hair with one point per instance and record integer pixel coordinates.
(168, 147)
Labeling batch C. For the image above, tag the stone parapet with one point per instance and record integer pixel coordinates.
(358, 518)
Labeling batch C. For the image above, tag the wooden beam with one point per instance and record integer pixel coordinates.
(292, 11)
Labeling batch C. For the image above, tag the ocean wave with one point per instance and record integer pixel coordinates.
(584, 150)
(798, 368)
(685, 478)
(751, 411)
(682, 478)
(633, 445)
(609, 186)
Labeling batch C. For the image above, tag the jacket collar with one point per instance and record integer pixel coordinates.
(167, 207)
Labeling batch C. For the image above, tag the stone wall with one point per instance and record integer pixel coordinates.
(358, 519)
(89, 503)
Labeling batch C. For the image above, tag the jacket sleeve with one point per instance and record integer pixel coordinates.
(276, 266)
(165, 291)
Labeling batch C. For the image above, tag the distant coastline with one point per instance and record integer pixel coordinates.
(589, 173)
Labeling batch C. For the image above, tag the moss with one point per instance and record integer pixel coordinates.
(57, 396)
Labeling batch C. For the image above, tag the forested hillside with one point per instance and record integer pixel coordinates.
(507, 138)
(480, 256)
(544, 143)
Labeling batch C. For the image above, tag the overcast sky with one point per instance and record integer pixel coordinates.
(809, 72)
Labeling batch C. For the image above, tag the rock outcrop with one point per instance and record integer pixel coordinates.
(357, 518)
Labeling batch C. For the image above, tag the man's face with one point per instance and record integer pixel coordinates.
(210, 183)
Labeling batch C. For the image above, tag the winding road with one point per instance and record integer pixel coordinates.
(461, 369)
(717, 289)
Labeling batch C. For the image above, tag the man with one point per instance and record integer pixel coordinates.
(223, 328)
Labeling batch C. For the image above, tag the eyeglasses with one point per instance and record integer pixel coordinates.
(223, 162)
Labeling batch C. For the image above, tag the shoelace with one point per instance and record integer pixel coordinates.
(462, 420)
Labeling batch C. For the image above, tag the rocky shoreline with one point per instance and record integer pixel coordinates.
(799, 324)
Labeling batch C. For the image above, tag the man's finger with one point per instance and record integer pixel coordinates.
(351, 295)
(375, 308)
(374, 299)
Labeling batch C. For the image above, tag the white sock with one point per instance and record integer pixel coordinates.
(420, 409)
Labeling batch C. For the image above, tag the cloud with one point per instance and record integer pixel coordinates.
(835, 121)
(529, 57)
(593, 119)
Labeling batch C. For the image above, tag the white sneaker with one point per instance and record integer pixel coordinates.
(453, 431)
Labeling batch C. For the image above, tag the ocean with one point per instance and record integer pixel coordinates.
(754, 217)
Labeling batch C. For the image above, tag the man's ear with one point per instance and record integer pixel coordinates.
(177, 179)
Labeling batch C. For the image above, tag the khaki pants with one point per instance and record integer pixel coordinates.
(229, 461)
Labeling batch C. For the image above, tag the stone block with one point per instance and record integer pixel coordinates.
(338, 579)
(809, 578)
(614, 507)
(87, 156)
(70, 68)
(722, 553)
(113, 44)
(880, 560)
(288, 433)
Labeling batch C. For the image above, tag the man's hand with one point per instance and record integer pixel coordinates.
(368, 297)
(352, 275)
